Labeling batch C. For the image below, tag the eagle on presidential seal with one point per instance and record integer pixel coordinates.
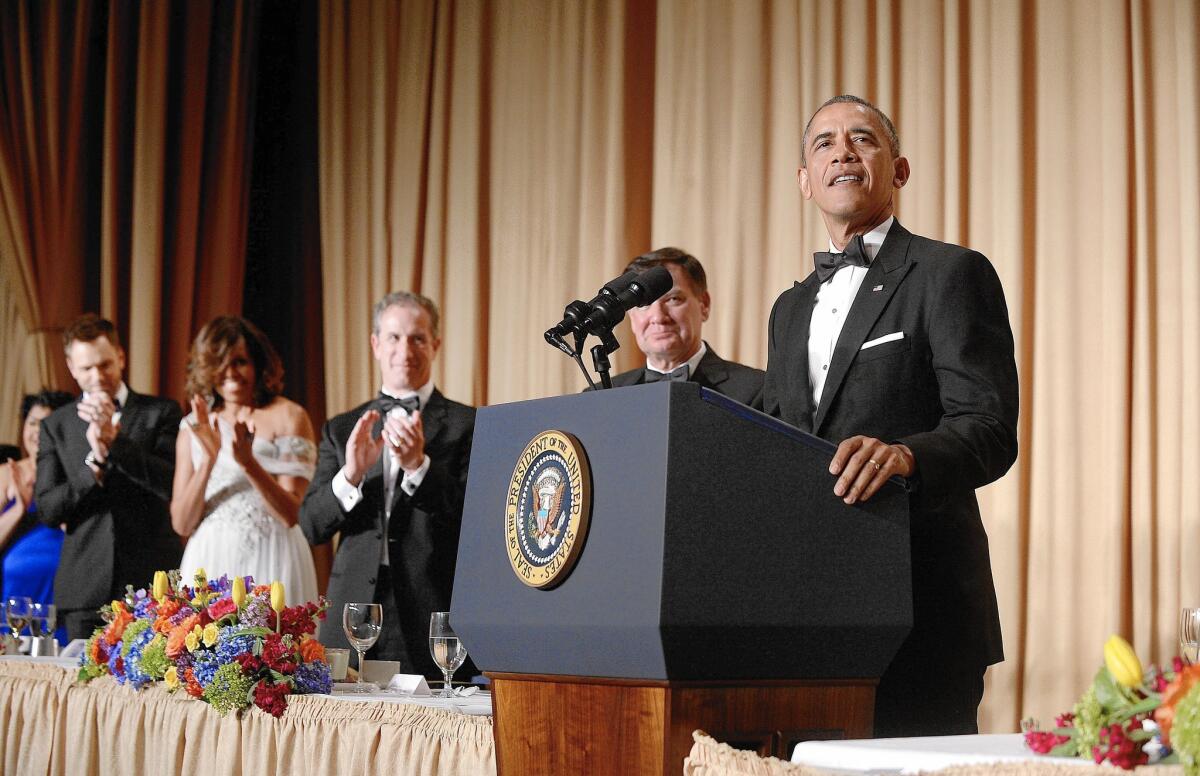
(547, 513)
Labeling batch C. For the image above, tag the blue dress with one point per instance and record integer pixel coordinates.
(29, 567)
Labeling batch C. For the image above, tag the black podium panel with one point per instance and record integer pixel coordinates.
(716, 550)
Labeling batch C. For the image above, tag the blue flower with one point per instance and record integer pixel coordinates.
(233, 642)
(313, 678)
(113, 656)
(205, 666)
(133, 663)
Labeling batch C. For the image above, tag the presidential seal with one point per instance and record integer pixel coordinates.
(548, 507)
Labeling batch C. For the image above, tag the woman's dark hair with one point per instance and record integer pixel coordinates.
(211, 350)
(51, 400)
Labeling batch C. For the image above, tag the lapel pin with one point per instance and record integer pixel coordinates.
(877, 288)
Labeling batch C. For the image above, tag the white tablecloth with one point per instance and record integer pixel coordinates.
(911, 755)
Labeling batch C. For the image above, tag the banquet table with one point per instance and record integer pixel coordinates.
(977, 754)
(52, 724)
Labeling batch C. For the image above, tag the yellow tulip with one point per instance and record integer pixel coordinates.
(171, 677)
(211, 634)
(239, 591)
(278, 602)
(1122, 662)
(160, 585)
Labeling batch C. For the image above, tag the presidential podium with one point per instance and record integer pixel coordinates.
(719, 585)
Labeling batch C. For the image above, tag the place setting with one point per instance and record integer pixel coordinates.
(383, 679)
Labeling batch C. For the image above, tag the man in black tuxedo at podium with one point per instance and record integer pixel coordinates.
(898, 348)
(394, 467)
(104, 470)
(668, 332)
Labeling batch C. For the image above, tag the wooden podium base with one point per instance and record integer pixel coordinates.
(557, 725)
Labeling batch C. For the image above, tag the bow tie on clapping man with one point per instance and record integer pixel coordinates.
(827, 263)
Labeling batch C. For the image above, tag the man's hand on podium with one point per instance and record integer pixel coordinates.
(865, 463)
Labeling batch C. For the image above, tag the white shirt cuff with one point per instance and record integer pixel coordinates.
(347, 495)
(413, 480)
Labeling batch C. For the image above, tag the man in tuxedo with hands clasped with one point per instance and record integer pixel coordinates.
(898, 348)
(104, 470)
(390, 478)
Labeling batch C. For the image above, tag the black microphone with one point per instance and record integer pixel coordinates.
(609, 308)
(577, 311)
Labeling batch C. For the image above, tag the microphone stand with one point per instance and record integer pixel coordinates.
(608, 344)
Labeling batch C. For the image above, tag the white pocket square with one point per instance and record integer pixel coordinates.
(880, 340)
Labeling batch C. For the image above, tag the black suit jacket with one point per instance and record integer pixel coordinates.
(118, 533)
(737, 381)
(947, 389)
(423, 548)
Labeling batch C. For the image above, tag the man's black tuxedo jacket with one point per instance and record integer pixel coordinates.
(118, 533)
(737, 381)
(424, 527)
(947, 389)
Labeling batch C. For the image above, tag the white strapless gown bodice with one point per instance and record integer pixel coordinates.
(238, 535)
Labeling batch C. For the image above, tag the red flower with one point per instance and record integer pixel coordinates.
(1120, 750)
(271, 698)
(1042, 741)
(277, 655)
(221, 607)
(250, 664)
(298, 620)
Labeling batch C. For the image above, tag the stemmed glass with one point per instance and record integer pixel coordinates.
(447, 649)
(16, 613)
(362, 624)
(1189, 635)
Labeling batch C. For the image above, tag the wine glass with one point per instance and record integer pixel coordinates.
(42, 619)
(447, 649)
(1189, 635)
(16, 613)
(362, 624)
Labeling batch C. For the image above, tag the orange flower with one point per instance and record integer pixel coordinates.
(166, 610)
(193, 687)
(1179, 687)
(260, 589)
(178, 635)
(311, 649)
(98, 657)
(116, 628)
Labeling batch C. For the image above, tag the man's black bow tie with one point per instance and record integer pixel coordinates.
(677, 375)
(829, 263)
(385, 403)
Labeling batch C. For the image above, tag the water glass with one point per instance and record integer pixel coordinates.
(1189, 634)
(362, 623)
(42, 619)
(447, 649)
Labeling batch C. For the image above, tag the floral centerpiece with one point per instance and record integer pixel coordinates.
(228, 642)
(1129, 716)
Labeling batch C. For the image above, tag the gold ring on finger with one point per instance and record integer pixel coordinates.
(876, 463)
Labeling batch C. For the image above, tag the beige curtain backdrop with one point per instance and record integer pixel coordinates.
(507, 157)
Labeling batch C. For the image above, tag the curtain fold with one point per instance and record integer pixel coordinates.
(124, 176)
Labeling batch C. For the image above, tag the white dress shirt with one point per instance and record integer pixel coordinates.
(834, 299)
(349, 495)
(692, 363)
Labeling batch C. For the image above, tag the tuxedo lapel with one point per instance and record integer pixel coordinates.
(885, 275)
(711, 371)
(807, 289)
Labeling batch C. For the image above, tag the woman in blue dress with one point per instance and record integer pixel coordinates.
(29, 551)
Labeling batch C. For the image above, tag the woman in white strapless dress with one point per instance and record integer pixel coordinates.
(241, 469)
